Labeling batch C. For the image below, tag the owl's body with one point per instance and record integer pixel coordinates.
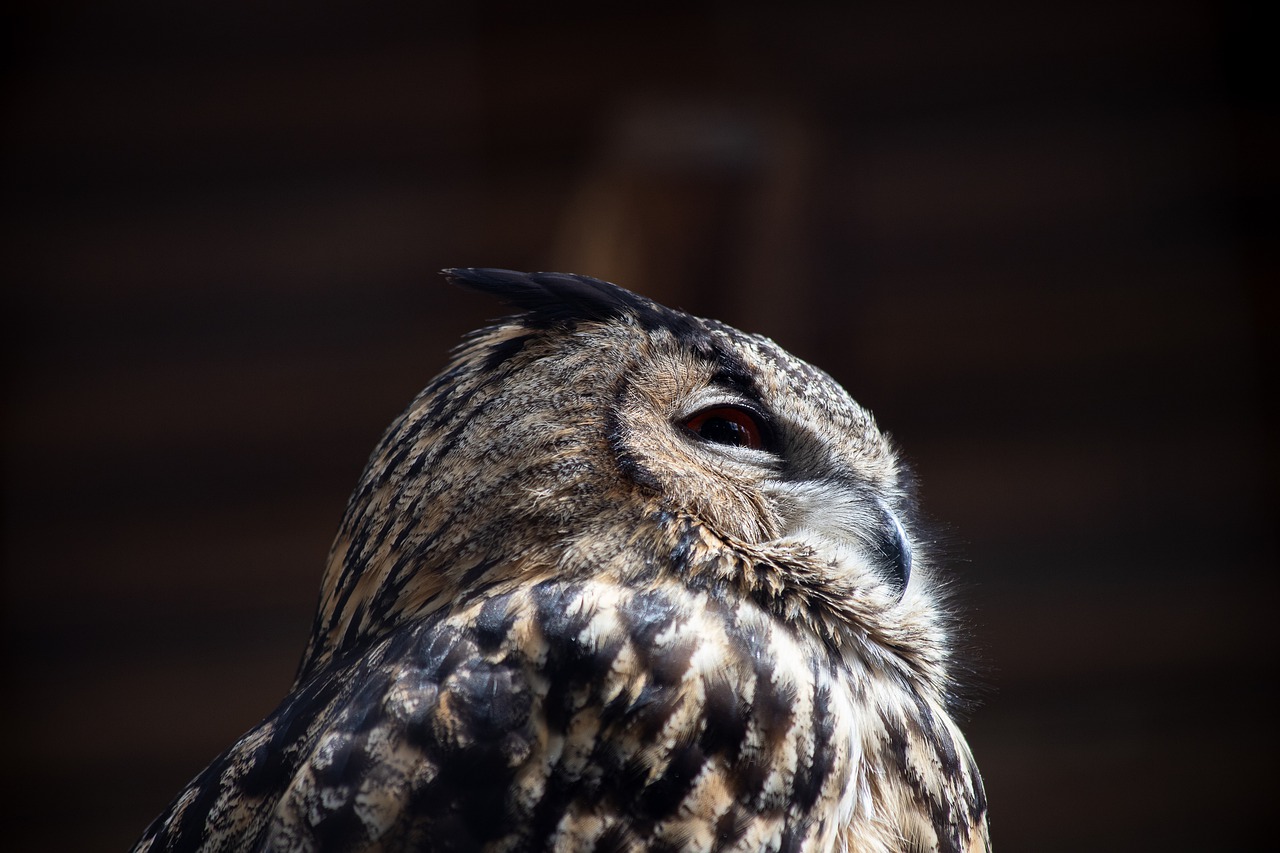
(618, 579)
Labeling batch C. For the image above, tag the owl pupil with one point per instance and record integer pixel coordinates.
(724, 431)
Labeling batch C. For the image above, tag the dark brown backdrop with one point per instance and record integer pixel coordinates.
(1029, 236)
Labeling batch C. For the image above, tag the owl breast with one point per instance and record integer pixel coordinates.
(703, 721)
(580, 715)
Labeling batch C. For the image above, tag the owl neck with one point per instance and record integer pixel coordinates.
(851, 627)
(403, 554)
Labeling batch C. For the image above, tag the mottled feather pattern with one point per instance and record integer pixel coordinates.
(554, 618)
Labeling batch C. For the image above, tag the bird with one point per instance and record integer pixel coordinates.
(619, 578)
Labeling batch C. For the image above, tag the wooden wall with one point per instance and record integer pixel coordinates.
(1030, 237)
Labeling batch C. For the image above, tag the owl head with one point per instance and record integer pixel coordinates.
(599, 433)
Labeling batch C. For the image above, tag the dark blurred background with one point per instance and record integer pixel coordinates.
(1031, 237)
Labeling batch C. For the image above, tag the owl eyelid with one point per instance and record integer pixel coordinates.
(762, 421)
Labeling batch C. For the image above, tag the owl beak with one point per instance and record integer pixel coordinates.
(896, 546)
(850, 527)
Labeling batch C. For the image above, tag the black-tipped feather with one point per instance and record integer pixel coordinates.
(555, 298)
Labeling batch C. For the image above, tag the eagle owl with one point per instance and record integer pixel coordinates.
(620, 578)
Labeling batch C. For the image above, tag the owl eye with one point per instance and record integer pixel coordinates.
(728, 425)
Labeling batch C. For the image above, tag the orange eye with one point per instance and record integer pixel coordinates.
(728, 425)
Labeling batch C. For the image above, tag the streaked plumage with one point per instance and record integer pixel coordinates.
(618, 579)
